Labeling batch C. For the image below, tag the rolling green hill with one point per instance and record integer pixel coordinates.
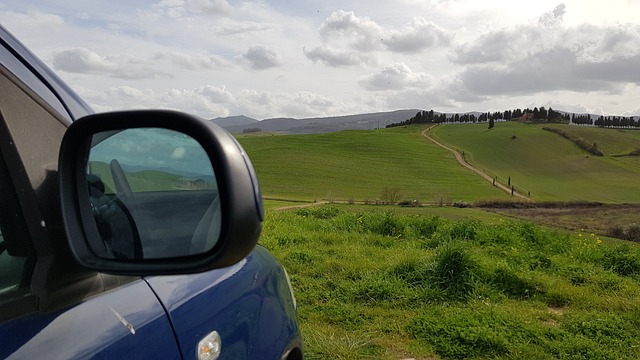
(146, 180)
(549, 166)
(611, 142)
(359, 165)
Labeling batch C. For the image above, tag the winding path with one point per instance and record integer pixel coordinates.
(464, 163)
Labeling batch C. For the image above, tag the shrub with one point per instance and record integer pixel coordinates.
(464, 230)
(464, 334)
(385, 224)
(426, 227)
(540, 262)
(512, 285)
(557, 299)
(591, 148)
(391, 195)
(290, 239)
(460, 204)
(616, 232)
(412, 273)
(633, 233)
(318, 213)
(622, 261)
(454, 271)
(410, 203)
(375, 288)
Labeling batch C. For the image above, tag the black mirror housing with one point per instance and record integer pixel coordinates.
(240, 202)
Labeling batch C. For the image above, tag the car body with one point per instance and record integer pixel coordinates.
(56, 305)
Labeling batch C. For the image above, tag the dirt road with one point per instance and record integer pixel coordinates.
(292, 207)
(464, 163)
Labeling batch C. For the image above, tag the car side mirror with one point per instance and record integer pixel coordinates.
(156, 192)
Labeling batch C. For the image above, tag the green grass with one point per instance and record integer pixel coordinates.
(386, 285)
(428, 211)
(359, 165)
(547, 165)
(610, 141)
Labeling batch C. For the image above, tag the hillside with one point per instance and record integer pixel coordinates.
(547, 165)
(612, 142)
(359, 165)
(238, 124)
(371, 121)
(230, 121)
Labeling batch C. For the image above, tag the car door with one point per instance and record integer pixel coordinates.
(126, 321)
(49, 306)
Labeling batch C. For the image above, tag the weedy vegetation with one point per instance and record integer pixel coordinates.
(383, 284)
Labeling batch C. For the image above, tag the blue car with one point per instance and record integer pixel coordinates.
(130, 234)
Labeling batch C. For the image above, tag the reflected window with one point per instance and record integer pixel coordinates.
(153, 194)
(152, 160)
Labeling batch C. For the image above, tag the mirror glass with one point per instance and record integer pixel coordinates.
(153, 194)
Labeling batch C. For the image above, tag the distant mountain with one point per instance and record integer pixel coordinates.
(237, 124)
(239, 120)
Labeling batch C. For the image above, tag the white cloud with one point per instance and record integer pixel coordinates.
(553, 17)
(194, 61)
(335, 58)
(38, 19)
(396, 76)
(260, 57)
(361, 33)
(419, 35)
(532, 58)
(179, 8)
(230, 28)
(179, 153)
(589, 42)
(85, 61)
(214, 101)
(206, 101)
(351, 40)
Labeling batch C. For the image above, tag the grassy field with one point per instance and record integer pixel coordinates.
(611, 142)
(359, 165)
(547, 165)
(372, 283)
(381, 282)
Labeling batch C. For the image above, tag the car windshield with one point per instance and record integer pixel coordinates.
(442, 178)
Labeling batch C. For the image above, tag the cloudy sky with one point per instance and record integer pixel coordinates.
(309, 58)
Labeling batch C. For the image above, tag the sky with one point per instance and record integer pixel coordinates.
(313, 58)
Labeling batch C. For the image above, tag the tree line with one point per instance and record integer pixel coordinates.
(536, 114)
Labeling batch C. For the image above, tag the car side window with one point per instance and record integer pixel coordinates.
(11, 269)
(16, 250)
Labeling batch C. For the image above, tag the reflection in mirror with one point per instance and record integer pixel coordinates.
(153, 194)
